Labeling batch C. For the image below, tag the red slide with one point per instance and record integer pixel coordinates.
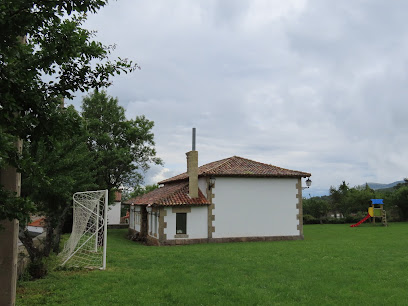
(361, 221)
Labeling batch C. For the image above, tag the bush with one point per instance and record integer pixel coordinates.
(332, 220)
(309, 219)
(354, 218)
(37, 269)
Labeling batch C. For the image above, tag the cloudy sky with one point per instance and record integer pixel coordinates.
(318, 86)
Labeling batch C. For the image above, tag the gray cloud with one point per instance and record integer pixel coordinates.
(318, 86)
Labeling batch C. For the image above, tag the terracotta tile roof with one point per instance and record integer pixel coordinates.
(40, 222)
(169, 195)
(238, 166)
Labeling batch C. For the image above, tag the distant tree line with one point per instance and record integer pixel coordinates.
(347, 204)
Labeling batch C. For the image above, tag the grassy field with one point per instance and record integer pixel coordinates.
(335, 264)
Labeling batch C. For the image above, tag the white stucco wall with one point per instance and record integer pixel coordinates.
(197, 221)
(202, 185)
(131, 217)
(114, 213)
(248, 207)
(137, 218)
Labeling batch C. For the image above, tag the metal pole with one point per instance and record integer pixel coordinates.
(194, 139)
(105, 229)
(97, 224)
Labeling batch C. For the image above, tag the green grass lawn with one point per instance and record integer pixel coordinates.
(335, 264)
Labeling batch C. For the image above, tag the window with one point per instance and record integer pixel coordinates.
(181, 223)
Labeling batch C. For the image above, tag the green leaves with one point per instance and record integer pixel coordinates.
(12, 207)
(121, 148)
(39, 38)
(400, 198)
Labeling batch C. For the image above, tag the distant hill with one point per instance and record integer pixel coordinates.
(377, 186)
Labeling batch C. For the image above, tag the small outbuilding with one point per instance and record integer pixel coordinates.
(115, 209)
(233, 199)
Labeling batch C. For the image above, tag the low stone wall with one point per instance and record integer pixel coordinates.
(230, 239)
(134, 235)
(152, 241)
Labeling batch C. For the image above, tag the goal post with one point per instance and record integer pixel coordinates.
(86, 247)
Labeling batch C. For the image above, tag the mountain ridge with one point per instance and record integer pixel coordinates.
(377, 186)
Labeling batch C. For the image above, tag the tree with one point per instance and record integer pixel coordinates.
(60, 165)
(358, 199)
(316, 207)
(400, 198)
(45, 55)
(121, 148)
(140, 190)
(338, 197)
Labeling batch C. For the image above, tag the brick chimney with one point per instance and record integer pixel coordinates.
(192, 170)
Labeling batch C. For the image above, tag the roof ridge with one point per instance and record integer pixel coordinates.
(235, 166)
(265, 163)
(225, 160)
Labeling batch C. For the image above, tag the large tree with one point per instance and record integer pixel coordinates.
(316, 207)
(399, 198)
(45, 55)
(60, 165)
(122, 148)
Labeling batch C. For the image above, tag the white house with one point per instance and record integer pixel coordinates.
(36, 226)
(114, 209)
(233, 199)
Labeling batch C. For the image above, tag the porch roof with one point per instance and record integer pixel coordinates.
(169, 195)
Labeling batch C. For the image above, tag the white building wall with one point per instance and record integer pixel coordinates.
(114, 213)
(248, 207)
(197, 221)
(132, 217)
(136, 218)
(202, 185)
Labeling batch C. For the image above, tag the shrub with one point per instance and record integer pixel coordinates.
(332, 220)
(309, 219)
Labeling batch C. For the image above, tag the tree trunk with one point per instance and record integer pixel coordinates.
(48, 238)
(36, 268)
(58, 229)
(27, 241)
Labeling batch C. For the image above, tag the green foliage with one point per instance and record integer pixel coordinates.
(60, 164)
(15, 208)
(140, 190)
(45, 55)
(339, 198)
(309, 219)
(334, 265)
(353, 203)
(121, 148)
(56, 165)
(399, 198)
(316, 207)
(348, 200)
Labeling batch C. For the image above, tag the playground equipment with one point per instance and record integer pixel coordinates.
(375, 211)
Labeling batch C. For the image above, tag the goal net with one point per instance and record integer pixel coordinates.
(86, 247)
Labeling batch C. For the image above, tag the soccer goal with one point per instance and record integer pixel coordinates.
(86, 247)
